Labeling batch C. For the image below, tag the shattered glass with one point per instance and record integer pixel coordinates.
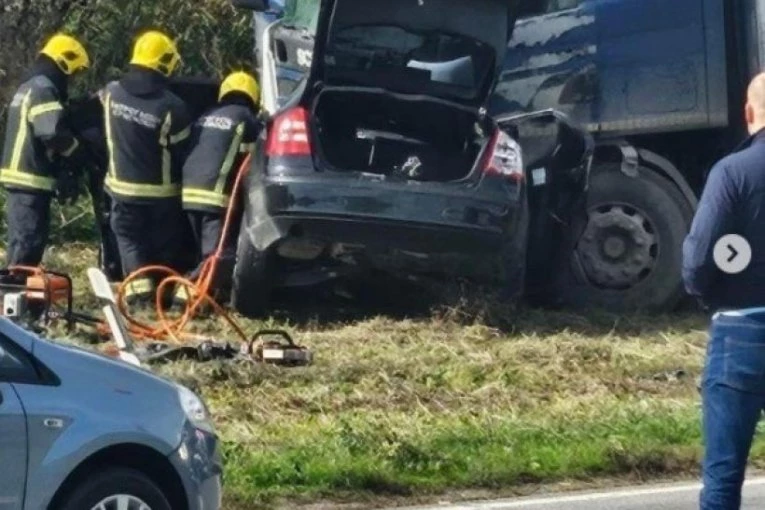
(302, 14)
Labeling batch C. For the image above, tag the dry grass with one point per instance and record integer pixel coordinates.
(450, 400)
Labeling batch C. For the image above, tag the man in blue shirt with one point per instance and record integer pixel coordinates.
(733, 387)
(733, 202)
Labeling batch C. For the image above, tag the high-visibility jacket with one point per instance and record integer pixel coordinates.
(34, 134)
(219, 141)
(142, 137)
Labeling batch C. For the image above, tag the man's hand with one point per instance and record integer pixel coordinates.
(68, 187)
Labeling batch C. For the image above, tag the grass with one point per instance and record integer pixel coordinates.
(453, 399)
(416, 407)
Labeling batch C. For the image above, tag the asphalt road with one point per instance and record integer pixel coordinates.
(658, 497)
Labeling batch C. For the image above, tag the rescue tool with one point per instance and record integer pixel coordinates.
(35, 295)
(279, 350)
(36, 298)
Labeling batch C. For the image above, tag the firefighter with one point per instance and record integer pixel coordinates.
(219, 142)
(36, 143)
(146, 125)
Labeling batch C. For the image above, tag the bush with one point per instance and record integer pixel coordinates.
(213, 36)
(23, 24)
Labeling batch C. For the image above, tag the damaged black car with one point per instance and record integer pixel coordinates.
(384, 159)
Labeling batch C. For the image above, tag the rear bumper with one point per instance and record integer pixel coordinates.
(418, 217)
(343, 227)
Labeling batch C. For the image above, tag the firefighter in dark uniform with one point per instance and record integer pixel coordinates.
(219, 142)
(146, 125)
(35, 139)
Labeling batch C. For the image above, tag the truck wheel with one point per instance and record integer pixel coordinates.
(630, 254)
(116, 489)
(253, 273)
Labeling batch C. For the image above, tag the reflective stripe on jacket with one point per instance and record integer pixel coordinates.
(143, 134)
(219, 140)
(34, 134)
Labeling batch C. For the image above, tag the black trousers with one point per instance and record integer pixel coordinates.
(147, 234)
(28, 218)
(207, 228)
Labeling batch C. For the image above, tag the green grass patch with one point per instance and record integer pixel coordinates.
(403, 453)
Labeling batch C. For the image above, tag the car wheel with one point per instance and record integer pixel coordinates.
(253, 277)
(630, 254)
(116, 489)
(513, 258)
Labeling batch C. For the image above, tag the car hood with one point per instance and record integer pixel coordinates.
(100, 400)
(451, 49)
(68, 361)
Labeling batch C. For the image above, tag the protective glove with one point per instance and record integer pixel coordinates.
(67, 187)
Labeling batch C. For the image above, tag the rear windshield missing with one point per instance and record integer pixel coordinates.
(301, 15)
(426, 62)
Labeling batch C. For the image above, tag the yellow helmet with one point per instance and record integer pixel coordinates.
(156, 51)
(67, 52)
(241, 82)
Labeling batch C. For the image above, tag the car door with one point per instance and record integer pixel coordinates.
(551, 61)
(14, 367)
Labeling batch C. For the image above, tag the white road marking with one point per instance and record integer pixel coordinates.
(579, 498)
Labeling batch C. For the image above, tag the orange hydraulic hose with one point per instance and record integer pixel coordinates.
(198, 291)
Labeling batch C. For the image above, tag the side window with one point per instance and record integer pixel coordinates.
(15, 364)
(533, 8)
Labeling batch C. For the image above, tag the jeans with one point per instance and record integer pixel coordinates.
(733, 395)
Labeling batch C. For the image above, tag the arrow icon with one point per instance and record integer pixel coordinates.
(734, 253)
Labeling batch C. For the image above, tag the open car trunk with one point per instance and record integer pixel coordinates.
(411, 138)
(396, 88)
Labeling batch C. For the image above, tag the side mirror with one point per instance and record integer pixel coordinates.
(549, 139)
(251, 5)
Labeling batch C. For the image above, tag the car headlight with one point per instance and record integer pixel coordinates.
(195, 409)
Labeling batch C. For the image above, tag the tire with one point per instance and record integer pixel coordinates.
(513, 258)
(654, 218)
(253, 277)
(99, 487)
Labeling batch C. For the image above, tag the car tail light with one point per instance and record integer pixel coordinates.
(289, 134)
(503, 157)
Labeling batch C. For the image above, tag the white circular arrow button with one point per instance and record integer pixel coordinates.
(732, 254)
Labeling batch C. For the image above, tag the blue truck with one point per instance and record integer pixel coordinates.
(659, 84)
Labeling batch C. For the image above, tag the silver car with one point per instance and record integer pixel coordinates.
(80, 431)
